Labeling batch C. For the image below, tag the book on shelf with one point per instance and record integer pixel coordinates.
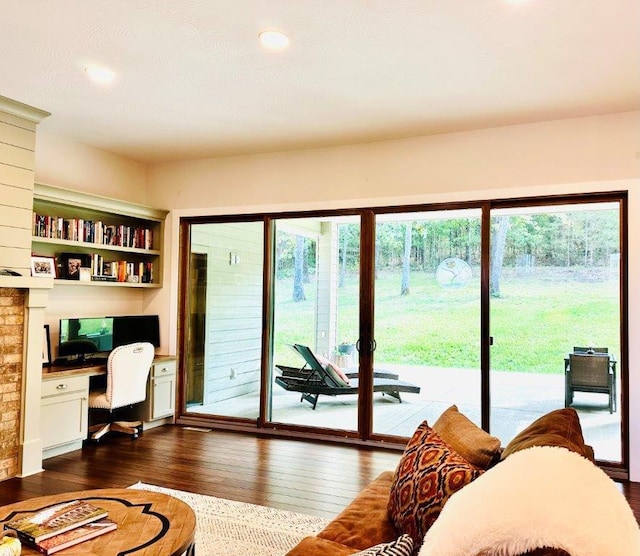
(55, 520)
(92, 231)
(102, 278)
(75, 536)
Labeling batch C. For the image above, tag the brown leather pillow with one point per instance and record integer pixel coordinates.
(475, 445)
(557, 428)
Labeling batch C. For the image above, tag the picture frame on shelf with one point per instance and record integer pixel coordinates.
(43, 267)
(72, 263)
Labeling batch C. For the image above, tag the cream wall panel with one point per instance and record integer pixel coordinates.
(18, 136)
(15, 197)
(18, 122)
(15, 258)
(17, 156)
(15, 237)
(71, 165)
(17, 219)
(17, 177)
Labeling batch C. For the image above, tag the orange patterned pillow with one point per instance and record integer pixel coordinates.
(429, 472)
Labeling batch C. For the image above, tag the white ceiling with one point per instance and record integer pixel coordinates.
(192, 80)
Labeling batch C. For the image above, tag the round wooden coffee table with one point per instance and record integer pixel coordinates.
(148, 522)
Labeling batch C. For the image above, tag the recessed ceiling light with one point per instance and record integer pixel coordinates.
(100, 75)
(274, 40)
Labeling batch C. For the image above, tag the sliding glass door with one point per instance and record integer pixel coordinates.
(427, 317)
(223, 318)
(555, 291)
(316, 303)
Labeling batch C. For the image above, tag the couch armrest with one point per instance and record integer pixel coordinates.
(364, 522)
(315, 546)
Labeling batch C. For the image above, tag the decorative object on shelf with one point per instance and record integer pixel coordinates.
(72, 263)
(44, 267)
(46, 346)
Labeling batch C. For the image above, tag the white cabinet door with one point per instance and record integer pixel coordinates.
(163, 390)
(64, 411)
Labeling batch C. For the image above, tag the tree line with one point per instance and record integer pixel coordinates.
(582, 238)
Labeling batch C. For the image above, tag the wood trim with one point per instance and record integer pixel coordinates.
(366, 324)
(485, 320)
(184, 238)
(268, 301)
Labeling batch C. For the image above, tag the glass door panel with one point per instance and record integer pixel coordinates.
(316, 304)
(224, 323)
(555, 288)
(427, 316)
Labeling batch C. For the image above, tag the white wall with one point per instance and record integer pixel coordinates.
(71, 165)
(457, 165)
(600, 153)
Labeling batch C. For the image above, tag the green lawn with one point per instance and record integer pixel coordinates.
(534, 324)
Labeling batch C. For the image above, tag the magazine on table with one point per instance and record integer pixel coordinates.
(55, 520)
(75, 536)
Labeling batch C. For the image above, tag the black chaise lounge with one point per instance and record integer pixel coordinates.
(314, 379)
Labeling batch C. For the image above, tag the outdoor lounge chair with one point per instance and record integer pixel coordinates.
(314, 379)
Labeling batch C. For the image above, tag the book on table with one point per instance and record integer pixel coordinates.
(55, 520)
(75, 536)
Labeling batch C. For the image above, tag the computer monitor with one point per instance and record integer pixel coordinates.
(136, 328)
(83, 338)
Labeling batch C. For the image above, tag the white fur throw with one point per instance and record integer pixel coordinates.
(544, 496)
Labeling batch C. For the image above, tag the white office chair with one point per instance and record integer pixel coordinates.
(128, 368)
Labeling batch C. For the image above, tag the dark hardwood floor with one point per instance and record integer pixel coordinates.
(313, 478)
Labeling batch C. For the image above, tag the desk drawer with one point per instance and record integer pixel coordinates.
(61, 386)
(164, 368)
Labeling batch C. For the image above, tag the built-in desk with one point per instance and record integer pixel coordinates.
(64, 408)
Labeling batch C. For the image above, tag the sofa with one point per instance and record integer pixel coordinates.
(455, 464)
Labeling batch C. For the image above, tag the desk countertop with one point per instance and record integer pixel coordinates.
(87, 369)
(65, 371)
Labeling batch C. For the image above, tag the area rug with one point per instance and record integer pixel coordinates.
(230, 528)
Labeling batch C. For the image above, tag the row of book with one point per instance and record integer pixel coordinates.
(120, 271)
(61, 526)
(91, 231)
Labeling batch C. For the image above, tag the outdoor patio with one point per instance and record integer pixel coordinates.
(517, 400)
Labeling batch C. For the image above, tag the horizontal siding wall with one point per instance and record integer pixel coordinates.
(17, 169)
(234, 308)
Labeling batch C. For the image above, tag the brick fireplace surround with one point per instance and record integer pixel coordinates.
(22, 303)
(11, 342)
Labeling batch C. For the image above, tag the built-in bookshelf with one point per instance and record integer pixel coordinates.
(96, 240)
